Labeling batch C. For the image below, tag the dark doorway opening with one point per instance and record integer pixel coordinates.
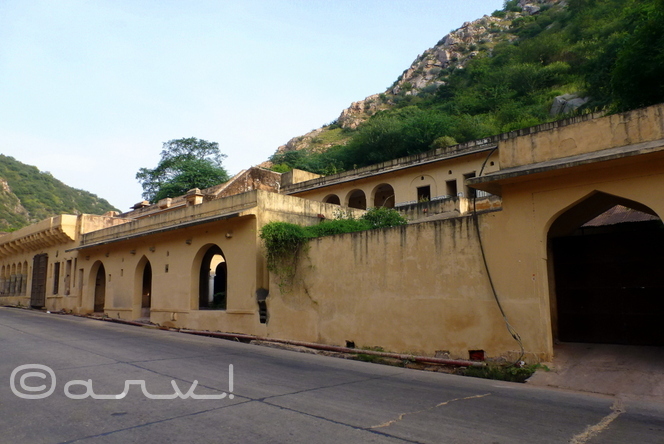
(332, 199)
(384, 196)
(357, 200)
(424, 193)
(38, 290)
(213, 280)
(100, 289)
(609, 287)
(146, 293)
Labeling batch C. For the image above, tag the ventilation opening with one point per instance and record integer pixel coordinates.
(476, 355)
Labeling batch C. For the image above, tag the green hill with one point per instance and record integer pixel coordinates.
(28, 195)
(532, 62)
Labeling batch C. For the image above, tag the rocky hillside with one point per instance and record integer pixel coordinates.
(428, 72)
(28, 195)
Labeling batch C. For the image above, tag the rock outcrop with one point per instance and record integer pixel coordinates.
(431, 69)
(567, 103)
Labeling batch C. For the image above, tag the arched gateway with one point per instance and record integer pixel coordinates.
(608, 254)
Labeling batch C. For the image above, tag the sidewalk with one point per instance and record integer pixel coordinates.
(617, 370)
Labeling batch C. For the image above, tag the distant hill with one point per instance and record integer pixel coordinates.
(532, 62)
(28, 195)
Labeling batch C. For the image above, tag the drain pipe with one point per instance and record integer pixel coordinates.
(334, 348)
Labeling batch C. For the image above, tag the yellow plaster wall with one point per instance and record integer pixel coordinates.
(422, 288)
(641, 125)
(175, 260)
(55, 236)
(175, 292)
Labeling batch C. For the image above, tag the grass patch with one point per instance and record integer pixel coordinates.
(509, 373)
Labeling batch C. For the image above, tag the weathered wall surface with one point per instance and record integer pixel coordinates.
(562, 139)
(423, 288)
(175, 258)
(174, 249)
(419, 288)
(53, 237)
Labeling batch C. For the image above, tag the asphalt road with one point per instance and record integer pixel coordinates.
(278, 396)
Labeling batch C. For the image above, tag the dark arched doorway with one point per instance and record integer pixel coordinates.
(213, 280)
(384, 196)
(609, 288)
(100, 289)
(332, 199)
(357, 199)
(146, 291)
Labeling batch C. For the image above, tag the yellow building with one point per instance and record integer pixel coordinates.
(544, 234)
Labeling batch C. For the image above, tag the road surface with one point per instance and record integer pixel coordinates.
(273, 396)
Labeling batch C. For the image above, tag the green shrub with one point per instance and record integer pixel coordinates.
(339, 226)
(512, 6)
(383, 218)
(510, 373)
(283, 241)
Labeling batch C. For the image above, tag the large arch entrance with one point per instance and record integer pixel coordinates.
(213, 280)
(100, 289)
(607, 254)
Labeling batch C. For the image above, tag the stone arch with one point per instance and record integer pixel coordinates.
(143, 287)
(97, 282)
(210, 276)
(383, 196)
(332, 199)
(605, 281)
(356, 199)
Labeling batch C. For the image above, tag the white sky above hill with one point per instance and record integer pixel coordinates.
(89, 90)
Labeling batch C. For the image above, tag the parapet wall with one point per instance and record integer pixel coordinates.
(581, 135)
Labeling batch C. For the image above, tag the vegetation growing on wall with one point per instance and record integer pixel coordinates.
(284, 241)
(610, 51)
(28, 195)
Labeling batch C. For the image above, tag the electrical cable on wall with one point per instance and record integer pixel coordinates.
(512, 331)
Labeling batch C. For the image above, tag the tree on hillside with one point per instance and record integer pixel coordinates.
(185, 164)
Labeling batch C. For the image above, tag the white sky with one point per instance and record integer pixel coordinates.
(90, 89)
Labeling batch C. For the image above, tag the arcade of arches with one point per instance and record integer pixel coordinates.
(383, 196)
